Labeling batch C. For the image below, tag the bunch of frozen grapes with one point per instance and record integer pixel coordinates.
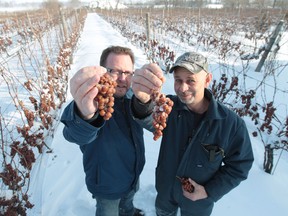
(163, 107)
(105, 99)
(187, 186)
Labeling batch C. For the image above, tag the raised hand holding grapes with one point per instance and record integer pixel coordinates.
(85, 88)
(146, 80)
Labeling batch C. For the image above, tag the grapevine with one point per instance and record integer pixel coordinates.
(105, 99)
(34, 48)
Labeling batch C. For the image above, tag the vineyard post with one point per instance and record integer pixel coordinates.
(168, 11)
(2, 139)
(148, 28)
(47, 14)
(163, 18)
(262, 20)
(274, 2)
(239, 12)
(63, 25)
(76, 17)
(269, 46)
(29, 21)
(268, 159)
(199, 15)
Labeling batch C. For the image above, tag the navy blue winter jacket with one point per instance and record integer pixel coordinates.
(217, 155)
(113, 150)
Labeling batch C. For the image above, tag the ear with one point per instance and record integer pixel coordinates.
(208, 79)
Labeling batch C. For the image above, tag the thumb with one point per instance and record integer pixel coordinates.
(192, 182)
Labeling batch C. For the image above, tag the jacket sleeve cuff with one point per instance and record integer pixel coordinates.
(96, 120)
(139, 109)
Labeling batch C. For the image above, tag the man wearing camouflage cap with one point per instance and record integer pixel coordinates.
(204, 142)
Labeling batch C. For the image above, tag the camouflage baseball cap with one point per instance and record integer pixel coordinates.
(192, 61)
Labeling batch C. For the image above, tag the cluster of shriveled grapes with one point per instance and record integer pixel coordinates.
(105, 99)
(163, 107)
(187, 186)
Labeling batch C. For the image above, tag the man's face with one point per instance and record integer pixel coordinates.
(121, 69)
(189, 87)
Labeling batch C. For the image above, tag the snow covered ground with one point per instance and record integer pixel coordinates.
(58, 181)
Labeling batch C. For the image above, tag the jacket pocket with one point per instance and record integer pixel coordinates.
(214, 153)
(206, 161)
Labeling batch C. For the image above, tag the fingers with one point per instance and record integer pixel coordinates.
(83, 90)
(86, 104)
(198, 193)
(150, 76)
(145, 80)
(86, 78)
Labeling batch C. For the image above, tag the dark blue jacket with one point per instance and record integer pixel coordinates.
(113, 150)
(187, 153)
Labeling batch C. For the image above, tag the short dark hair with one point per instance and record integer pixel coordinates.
(116, 50)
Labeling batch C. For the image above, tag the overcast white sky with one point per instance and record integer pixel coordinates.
(22, 1)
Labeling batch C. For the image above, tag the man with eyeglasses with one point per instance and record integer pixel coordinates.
(113, 150)
(205, 149)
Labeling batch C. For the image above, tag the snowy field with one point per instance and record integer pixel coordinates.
(63, 191)
(58, 187)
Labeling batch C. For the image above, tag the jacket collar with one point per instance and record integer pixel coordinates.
(129, 94)
(215, 109)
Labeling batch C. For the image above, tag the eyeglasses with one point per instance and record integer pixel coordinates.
(116, 72)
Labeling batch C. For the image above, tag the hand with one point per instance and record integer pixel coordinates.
(83, 90)
(198, 193)
(149, 77)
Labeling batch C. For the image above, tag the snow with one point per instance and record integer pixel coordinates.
(58, 187)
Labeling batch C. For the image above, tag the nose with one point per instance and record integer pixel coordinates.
(183, 87)
(121, 76)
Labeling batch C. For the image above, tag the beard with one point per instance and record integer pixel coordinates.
(186, 98)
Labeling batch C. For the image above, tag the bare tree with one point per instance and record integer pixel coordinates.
(75, 2)
(262, 3)
(52, 4)
(280, 4)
